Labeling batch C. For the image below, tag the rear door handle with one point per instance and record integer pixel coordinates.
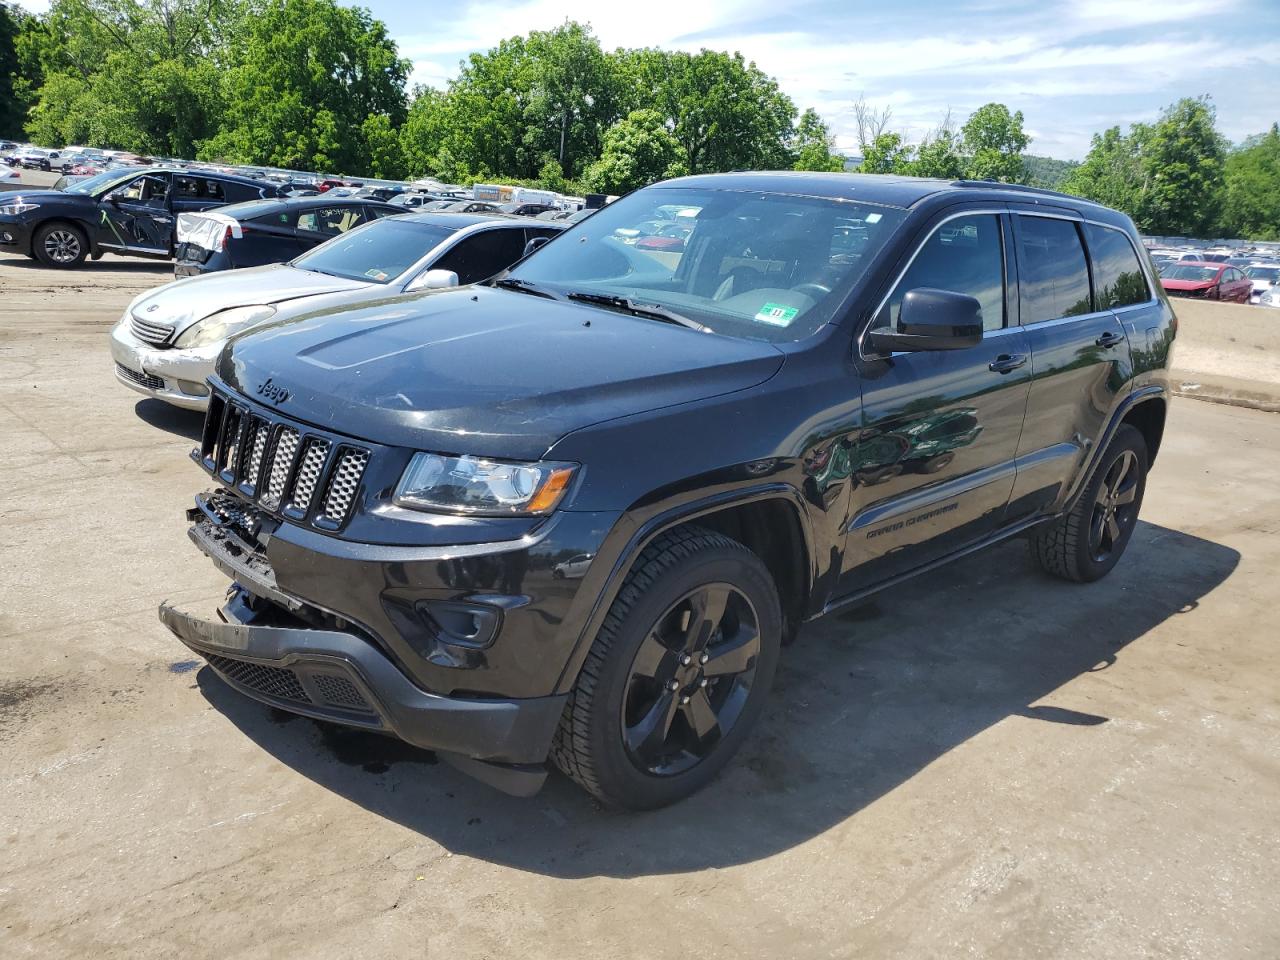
(1007, 362)
(1110, 339)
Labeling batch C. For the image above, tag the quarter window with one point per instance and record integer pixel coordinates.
(964, 255)
(1054, 275)
(1117, 275)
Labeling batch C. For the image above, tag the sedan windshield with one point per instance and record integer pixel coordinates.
(1271, 274)
(1182, 272)
(378, 252)
(745, 263)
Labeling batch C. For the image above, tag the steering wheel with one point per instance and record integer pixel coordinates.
(814, 290)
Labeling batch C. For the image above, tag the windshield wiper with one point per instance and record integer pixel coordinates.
(525, 286)
(651, 310)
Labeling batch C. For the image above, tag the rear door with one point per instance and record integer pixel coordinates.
(933, 466)
(1079, 358)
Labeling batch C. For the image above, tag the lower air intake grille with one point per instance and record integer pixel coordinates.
(144, 379)
(272, 681)
(343, 485)
(340, 692)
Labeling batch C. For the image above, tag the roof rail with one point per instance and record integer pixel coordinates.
(1018, 188)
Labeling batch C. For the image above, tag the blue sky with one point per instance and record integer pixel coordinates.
(1072, 68)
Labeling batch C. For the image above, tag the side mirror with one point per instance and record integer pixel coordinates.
(533, 245)
(435, 280)
(932, 319)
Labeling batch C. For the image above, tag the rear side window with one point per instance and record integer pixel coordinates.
(964, 255)
(213, 190)
(1054, 275)
(1117, 275)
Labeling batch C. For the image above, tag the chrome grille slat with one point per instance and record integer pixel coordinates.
(309, 468)
(229, 447)
(281, 464)
(343, 484)
(157, 334)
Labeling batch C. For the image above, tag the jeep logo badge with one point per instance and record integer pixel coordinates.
(269, 391)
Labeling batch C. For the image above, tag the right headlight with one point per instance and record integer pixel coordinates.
(225, 323)
(479, 486)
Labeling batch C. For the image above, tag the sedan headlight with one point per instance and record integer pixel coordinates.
(476, 485)
(225, 323)
(20, 206)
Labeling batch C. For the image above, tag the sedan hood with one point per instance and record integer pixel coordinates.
(183, 302)
(482, 371)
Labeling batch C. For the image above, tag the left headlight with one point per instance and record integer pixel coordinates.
(226, 323)
(479, 486)
(19, 206)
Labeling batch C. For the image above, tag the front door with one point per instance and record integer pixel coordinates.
(135, 217)
(933, 466)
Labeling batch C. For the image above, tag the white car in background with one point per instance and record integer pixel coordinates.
(1265, 277)
(167, 343)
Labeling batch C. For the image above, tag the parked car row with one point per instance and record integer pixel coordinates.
(1221, 273)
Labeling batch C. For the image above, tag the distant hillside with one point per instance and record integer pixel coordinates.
(1047, 172)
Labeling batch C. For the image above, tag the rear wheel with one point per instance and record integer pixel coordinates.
(1084, 544)
(678, 674)
(60, 245)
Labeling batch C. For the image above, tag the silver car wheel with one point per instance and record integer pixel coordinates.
(62, 246)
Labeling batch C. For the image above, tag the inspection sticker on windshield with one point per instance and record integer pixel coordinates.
(373, 273)
(777, 314)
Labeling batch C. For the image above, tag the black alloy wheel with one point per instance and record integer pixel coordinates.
(690, 679)
(1115, 508)
(677, 675)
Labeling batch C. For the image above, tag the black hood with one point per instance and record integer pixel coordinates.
(483, 371)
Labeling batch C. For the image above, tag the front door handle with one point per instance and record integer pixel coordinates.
(1007, 362)
(1110, 339)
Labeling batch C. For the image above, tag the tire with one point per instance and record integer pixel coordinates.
(1085, 543)
(612, 739)
(60, 245)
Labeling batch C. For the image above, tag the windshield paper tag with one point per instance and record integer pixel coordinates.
(777, 314)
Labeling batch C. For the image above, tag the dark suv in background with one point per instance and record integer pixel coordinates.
(574, 513)
(131, 212)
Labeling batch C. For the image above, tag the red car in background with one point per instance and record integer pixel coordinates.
(1205, 280)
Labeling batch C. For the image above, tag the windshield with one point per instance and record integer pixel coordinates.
(749, 264)
(1262, 273)
(378, 252)
(102, 182)
(1184, 272)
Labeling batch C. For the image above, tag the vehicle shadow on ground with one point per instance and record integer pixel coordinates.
(171, 419)
(861, 704)
(113, 264)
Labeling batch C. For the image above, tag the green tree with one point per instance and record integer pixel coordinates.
(813, 144)
(1251, 208)
(725, 113)
(993, 143)
(1112, 172)
(1182, 163)
(888, 153)
(12, 109)
(308, 77)
(637, 151)
(938, 155)
(1047, 172)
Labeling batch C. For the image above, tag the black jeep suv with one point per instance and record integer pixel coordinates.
(573, 514)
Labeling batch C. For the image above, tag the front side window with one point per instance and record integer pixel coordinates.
(964, 255)
(481, 255)
(1054, 276)
(1117, 274)
(747, 263)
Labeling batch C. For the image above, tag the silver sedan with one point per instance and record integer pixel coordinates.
(168, 340)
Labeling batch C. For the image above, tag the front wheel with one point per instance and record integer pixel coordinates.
(60, 245)
(1085, 543)
(678, 674)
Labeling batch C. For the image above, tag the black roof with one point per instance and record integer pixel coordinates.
(457, 221)
(270, 205)
(888, 189)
